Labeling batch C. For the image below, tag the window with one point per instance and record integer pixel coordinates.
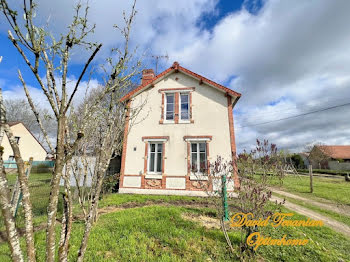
(17, 139)
(198, 157)
(155, 156)
(170, 106)
(11, 158)
(184, 108)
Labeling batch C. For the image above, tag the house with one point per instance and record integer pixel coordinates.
(29, 146)
(184, 122)
(330, 157)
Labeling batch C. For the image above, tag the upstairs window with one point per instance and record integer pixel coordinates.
(184, 107)
(170, 106)
(155, 156)
(199, 157)
(17, 139)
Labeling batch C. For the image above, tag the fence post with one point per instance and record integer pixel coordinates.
(224, 197)
(311, 185)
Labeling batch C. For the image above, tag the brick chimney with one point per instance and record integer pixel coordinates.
(147, 75)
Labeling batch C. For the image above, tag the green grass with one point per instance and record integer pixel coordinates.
(333, 189)
(39, 186)
(341, 218)
(160, 233)
(324, 244)
(118, 199)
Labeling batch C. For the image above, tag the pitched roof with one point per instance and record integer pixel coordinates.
(175, 68)
(336, 152)
(13, 123)
(16, 123)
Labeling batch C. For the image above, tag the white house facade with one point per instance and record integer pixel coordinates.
(28, 145)
(184, 122)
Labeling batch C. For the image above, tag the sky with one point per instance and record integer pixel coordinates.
(286, 58)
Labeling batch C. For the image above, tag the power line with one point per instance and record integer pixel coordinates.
(290, 117)
(260, 114)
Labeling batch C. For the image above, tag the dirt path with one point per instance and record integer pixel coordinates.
(337, 226)
(340, 208)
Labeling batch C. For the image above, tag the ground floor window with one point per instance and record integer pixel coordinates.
(198, 157)
(155, 155)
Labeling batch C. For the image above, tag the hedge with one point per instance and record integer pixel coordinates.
(325, 171)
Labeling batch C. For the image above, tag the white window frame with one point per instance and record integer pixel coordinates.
(157, 143)
(165, 108)
(188, 102)
(198, 175)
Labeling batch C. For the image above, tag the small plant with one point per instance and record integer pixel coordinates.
(255, 170)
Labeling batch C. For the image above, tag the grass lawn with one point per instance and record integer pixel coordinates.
(39, 186)
(333, 189)
(162, 233)
(341, 218)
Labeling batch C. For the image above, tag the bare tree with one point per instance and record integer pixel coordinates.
(5, 202)
(319, 154)
(19, 110)
(38, 47)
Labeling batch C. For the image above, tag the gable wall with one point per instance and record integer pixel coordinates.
(210, 117)
(28, 145)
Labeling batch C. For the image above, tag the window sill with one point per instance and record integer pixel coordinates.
(168, 122)
(153, 176)
(199, 177)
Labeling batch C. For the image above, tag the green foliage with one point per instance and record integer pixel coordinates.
(297, 161)
(110, 184)
(41, 168)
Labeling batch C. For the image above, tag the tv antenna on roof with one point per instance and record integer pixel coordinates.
(157, 57)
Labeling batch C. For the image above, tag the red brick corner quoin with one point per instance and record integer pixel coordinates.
(233, 141)
(125, 140)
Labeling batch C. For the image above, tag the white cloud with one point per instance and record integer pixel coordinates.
(38, 96)
(286, 58)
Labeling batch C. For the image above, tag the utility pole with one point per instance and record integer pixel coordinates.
(157, 57)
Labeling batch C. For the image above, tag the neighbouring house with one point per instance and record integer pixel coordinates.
(330, 157)
(184, 123)
(29, 146)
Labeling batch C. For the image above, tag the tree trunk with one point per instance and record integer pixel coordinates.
(67, 219)
(55, 188)
(6, 209)
(92, 213)
(27, 205)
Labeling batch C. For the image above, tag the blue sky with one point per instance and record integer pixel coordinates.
(285, 57)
